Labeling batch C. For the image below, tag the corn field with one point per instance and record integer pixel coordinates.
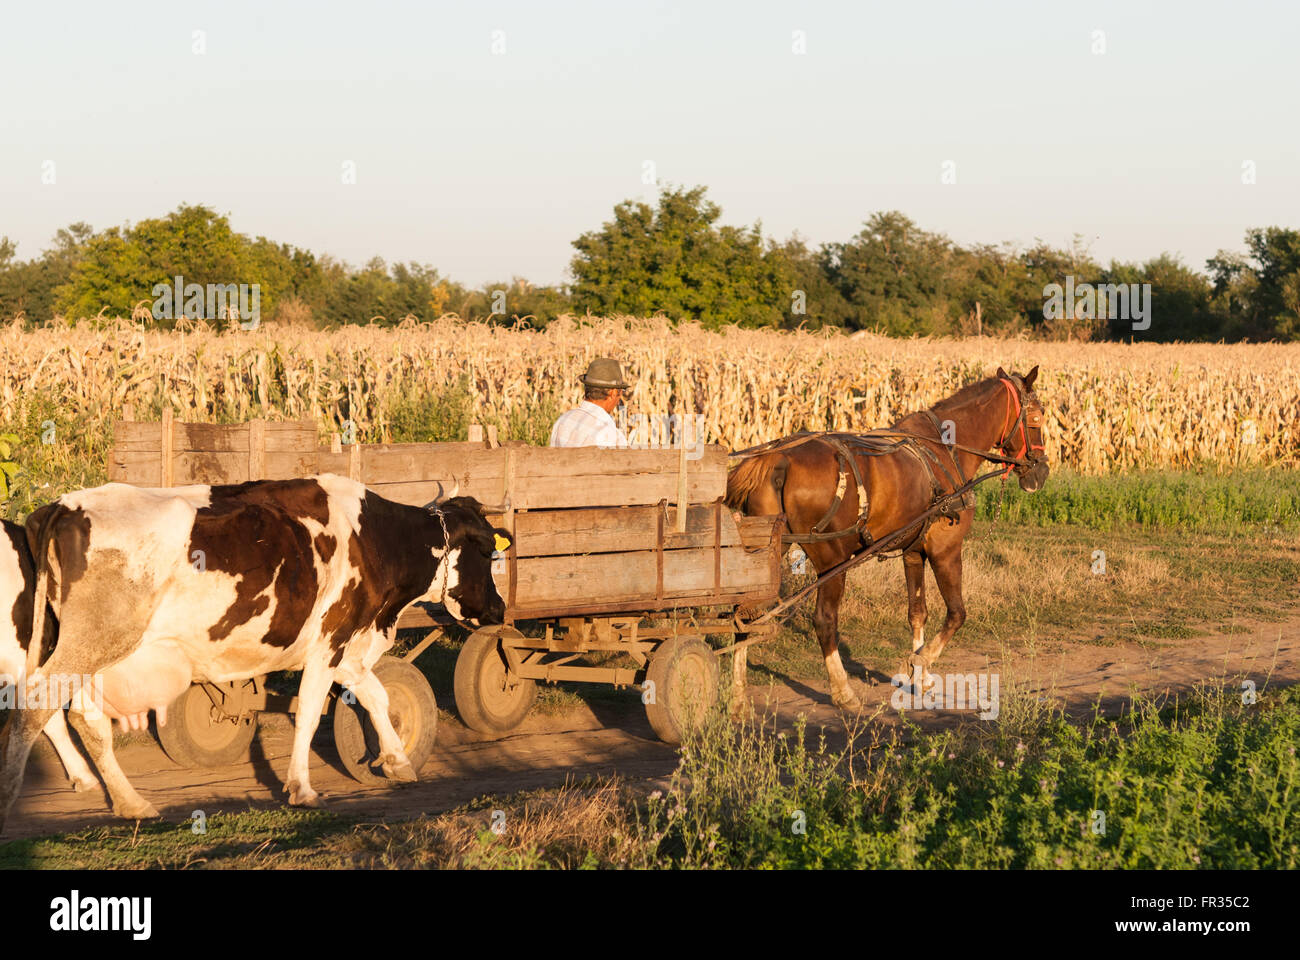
(1109, 406)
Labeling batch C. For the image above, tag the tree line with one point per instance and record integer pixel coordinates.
(675, 258)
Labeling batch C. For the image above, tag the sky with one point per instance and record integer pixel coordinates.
(483, 138)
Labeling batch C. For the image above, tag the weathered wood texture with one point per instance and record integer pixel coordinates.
(544, 478)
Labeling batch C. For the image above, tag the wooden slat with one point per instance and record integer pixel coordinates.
(142, 469)
(257, 450)
(295, 435)
(548, 533)
(166, 459)
(587, 491)
(422, 492)
(608, 579)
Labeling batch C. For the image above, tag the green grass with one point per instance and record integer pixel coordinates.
(1207, 782)
(1197, 499)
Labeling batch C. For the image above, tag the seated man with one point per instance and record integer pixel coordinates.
(590, 424)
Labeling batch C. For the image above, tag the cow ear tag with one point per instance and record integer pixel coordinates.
(502, 544)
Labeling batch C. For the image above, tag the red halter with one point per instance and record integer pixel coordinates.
(1010, 425)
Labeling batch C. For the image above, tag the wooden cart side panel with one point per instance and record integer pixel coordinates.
(546, 533)
(298, 436)
(192, 466)
(601, 580)
(545, 478)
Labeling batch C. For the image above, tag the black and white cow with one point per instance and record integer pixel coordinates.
(156, 588)
(17, 585)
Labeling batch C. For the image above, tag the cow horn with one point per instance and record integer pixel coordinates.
(455, 492)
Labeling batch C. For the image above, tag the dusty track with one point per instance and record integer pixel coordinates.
(617, 738)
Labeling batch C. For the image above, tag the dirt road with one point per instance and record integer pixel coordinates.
(616, 738)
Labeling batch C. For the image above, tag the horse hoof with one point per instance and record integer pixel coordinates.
(847, 701)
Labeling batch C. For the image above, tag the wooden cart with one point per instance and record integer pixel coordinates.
(613, 552)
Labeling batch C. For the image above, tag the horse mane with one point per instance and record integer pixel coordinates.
(749, 475)
(960, 398)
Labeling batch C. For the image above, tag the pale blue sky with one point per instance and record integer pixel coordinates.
(489, 165)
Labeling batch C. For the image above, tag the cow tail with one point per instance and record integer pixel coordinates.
(40, 531)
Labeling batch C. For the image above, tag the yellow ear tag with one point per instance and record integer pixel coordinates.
(501, 542)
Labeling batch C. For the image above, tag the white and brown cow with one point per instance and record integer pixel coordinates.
(17, 585)
(155, 589)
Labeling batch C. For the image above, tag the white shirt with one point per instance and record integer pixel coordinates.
(587, 425)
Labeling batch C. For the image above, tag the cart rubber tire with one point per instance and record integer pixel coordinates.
(413, 709)
(488, 699)
(191, 738)
(684, 671)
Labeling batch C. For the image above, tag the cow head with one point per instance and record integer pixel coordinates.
(470, 593)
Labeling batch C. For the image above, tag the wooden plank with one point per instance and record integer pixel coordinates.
(682, 494)
(166, 460)
(142, 468)
(296, 435)
(397, 464)
(611, 579)
(755, 532)
(257, 449)
(544, 533)
(601, 491)
(354, 462)
(422, 492)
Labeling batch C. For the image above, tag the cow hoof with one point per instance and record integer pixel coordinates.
(82, 785)
(136, 811)
(300, 796)
(403, 772)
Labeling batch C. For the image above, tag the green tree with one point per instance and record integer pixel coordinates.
(1260, 291)
(894, 275)
(29, 287)
(674, 259)
(119, 267)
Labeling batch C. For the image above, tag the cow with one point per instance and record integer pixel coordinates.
(158, 588)
(17, 586)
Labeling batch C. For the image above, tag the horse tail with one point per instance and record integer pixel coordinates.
(763, 472)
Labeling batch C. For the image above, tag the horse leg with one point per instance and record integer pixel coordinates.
(947, 574)
(917, 614)
(827, 621)
(739, 669)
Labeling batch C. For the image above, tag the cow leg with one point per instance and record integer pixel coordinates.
(78, 771)
(21, 731)
(372, 695)
(827, 621)
(313, 690)
(96, 732)
(917, 614)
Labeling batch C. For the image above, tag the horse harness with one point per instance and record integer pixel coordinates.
(875, 443)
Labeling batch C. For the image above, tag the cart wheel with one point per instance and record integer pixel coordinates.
(412, 708)
(488, 698)
(684, 671)
(193, 738)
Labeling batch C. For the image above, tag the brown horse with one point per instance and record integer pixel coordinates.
(837, 490)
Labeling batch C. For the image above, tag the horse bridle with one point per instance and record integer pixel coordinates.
(1028, 424)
